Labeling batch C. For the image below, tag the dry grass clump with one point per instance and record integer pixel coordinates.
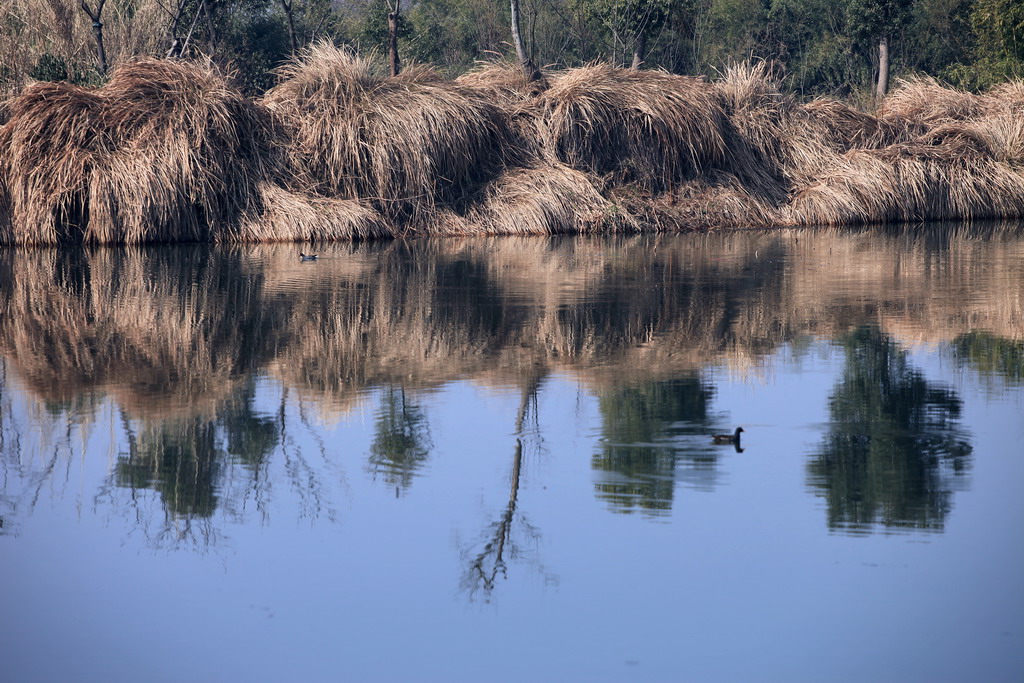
(286, 216)
(842, 127)
(720, 200)
(405, 143)
(940, 176)
(932, 154)
(539, 200)
(755, 128)
(1003, 135)
(166, 151)
(502, 82)
(1006, 97)
(50, 141)
(645, 127)
(922, 99)
(187, 155)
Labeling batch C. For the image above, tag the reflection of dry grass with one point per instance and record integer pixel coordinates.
(113, 321)
(499, 311)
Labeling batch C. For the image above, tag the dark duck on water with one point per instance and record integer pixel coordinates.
(727, 439)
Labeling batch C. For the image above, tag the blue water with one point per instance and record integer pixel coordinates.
(492, 459)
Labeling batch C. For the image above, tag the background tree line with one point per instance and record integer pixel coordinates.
(838, 47)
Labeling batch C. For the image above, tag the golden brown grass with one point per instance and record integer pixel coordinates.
(924, 100)
(168, 151)
(294, 217)
(502, 82)
(404, 144)
(542, 199)
(165, 151)
(646, 127)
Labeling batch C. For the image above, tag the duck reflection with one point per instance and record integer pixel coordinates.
(648, 434)
(894, 452)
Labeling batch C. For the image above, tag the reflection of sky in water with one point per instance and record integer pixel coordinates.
(459, 527)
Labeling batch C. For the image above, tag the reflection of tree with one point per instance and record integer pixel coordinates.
(178, 459)
(991, 355)
(401, 443)
(639, 453)
(492, 560)
(894, 441)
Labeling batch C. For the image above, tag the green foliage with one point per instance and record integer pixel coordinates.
(374, 31)
(255, 45)
(50, 68)
(739, 28)
(628, 18)
(810, 37)
(869, 20)
(998, 52)
(53, 68)
(453, 34)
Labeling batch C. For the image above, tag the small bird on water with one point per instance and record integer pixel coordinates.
(307, 257)
(725, 439)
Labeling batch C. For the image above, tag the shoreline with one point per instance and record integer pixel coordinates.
(169, 152)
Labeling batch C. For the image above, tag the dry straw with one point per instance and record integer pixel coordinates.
(645, 127)
(291, 216)
(169, 151)
(404, 144)
(166, 151)
(542, 199)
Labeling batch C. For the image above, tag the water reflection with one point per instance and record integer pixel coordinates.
(895, 451)
(401, 443)
(511, 538)
(991, 355)
(171, 347)
(648, 432)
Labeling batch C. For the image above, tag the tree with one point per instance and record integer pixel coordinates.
(529, 68)
(878, 22)
(97, 29)
(630, 22)
(393, 17)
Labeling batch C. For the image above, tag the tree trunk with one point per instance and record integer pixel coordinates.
(529, 68)
(639, 50)
(211, 29)
(883, 67)
(393, 39)
(97, 29)
(287, 6)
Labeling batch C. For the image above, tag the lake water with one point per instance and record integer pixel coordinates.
(491, 459)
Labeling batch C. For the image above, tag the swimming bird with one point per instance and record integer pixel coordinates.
(307, 257)
(724, 439)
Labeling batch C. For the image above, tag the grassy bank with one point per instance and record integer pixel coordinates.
(169, 151)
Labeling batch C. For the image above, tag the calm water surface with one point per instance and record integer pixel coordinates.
(491, 459)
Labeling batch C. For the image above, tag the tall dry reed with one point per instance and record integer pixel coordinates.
(168, 151)
(405, 144)
(165, 151)
(646, 127)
